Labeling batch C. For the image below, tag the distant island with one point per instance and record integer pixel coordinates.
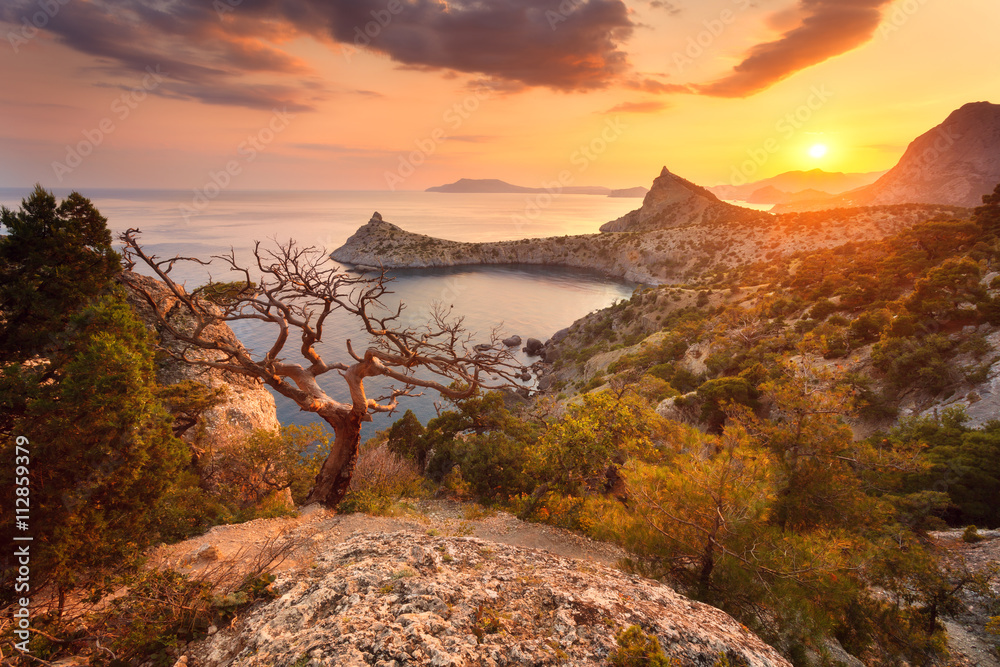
(496, 186)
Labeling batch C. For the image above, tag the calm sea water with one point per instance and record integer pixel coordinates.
(528, 301)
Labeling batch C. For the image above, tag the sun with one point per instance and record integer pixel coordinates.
(818, 150)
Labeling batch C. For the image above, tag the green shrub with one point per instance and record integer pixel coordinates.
(404, 438)
(637, 648)
(915, 362)
(719, 393)
(971, 535)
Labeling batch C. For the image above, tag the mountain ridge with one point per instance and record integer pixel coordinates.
(794, 182)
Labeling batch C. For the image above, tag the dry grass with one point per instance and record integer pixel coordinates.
(156, 611)
(380, 479)
(385, 473)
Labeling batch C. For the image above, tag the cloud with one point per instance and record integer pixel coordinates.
(344, 150)
(552, 43)
(650, 106)
(473, 138)
(654, 86)
(669, 7)
(826, 28)
(228, 52)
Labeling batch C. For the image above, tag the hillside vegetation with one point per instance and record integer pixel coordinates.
(767, 439)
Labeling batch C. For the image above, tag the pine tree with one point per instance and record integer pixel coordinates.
(53, 261)
(103, 454)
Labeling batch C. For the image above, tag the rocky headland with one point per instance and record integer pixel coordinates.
(677, 252)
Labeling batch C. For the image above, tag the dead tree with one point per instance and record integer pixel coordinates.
(297, 289)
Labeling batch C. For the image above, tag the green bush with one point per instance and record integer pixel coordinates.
(717, 394)
(493, 466)
(637, 648)
(915, 362)
(971, 535)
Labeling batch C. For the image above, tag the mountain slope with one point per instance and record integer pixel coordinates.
(955, 164)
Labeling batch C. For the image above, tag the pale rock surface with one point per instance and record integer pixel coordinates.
(394, 599)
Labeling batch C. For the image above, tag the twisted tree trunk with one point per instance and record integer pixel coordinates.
(334, 478)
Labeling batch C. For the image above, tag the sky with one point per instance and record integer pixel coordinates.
(407, 94)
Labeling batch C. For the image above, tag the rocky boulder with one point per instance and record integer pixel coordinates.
(533, 347)
(394, 599)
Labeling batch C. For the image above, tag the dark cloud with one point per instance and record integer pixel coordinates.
(648, 106)
(228, 52)
(827, 28)
(552, 43)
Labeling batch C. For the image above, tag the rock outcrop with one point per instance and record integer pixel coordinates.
(395, 599)
(955, 164)
(245, 404)
(676, 202)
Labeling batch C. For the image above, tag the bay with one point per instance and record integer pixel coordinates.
(529, 301)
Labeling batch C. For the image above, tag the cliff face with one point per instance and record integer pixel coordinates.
(676, 202)
(955, 163)
(407, 598)
(246, 404)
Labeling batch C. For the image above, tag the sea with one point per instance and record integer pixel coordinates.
(529, 301)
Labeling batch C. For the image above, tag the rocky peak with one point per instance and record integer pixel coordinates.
(955, 163)
(673, 201)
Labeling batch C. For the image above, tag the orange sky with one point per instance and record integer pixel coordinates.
(276, 94)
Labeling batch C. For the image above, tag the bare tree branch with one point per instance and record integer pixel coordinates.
(297, 290)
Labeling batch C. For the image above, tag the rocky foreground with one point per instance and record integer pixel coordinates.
(405, 598)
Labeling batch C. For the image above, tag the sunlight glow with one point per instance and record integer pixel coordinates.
(818, 151)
